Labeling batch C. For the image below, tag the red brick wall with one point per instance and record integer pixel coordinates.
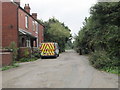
(0, 32)
(22, 15)
(9, 24)
(7, 57)
(0, 24)
(41, 34)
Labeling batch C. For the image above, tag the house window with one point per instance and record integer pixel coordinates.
(26, 21)
(37, 27)
(28, 42)
(33, 25)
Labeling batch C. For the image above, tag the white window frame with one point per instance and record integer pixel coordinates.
(37, 27)
(33, 22)
(28, 42)
(26, 21)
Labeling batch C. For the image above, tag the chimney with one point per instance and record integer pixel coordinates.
(27, 8)
(34, 15)
(17, 2)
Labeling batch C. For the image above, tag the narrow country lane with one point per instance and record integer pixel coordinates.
(70, 70)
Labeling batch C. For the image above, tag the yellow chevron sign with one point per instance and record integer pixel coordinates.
(47, 49)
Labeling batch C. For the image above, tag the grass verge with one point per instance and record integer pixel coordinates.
(27, 60)
(114, 70)
(9, 67)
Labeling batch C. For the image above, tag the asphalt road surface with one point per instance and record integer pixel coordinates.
(69, 70)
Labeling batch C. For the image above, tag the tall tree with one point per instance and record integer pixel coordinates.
(56, 31)
(101, 32)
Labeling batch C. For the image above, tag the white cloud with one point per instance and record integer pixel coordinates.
(71, 12)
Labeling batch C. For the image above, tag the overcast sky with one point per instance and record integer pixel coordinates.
(71, 12)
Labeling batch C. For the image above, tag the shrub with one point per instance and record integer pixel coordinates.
(104, 61)
(33, 59)
(36, 53)
(14, 49)
(23, 59)
(26, 53)
(100, 59)
(27, 59)
(114, 70)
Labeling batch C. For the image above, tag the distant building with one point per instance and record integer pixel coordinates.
(19, 26)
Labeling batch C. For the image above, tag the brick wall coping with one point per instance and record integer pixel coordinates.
(1, 53)
(5, 50)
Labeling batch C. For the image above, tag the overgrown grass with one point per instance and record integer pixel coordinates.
(9, 67)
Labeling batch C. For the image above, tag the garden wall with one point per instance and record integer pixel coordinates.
(7, 57)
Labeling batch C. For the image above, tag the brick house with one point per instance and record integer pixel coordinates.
(19, 26)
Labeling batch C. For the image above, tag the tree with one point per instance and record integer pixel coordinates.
(56, 31)
(101, 34)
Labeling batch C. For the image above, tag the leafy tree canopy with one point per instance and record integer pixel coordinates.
(55, 31)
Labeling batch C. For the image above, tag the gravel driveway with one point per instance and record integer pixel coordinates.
(69, 70)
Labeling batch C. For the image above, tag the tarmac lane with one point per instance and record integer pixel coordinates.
(69, 70)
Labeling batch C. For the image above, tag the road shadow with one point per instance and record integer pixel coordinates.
(51, 57)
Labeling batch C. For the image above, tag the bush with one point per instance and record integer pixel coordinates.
(26, 53)
(14, 49)
(100, 34)
(103, 61)
(27, 59)
(100, 59)
(36, 53)
(114, 70)
(23, 59)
